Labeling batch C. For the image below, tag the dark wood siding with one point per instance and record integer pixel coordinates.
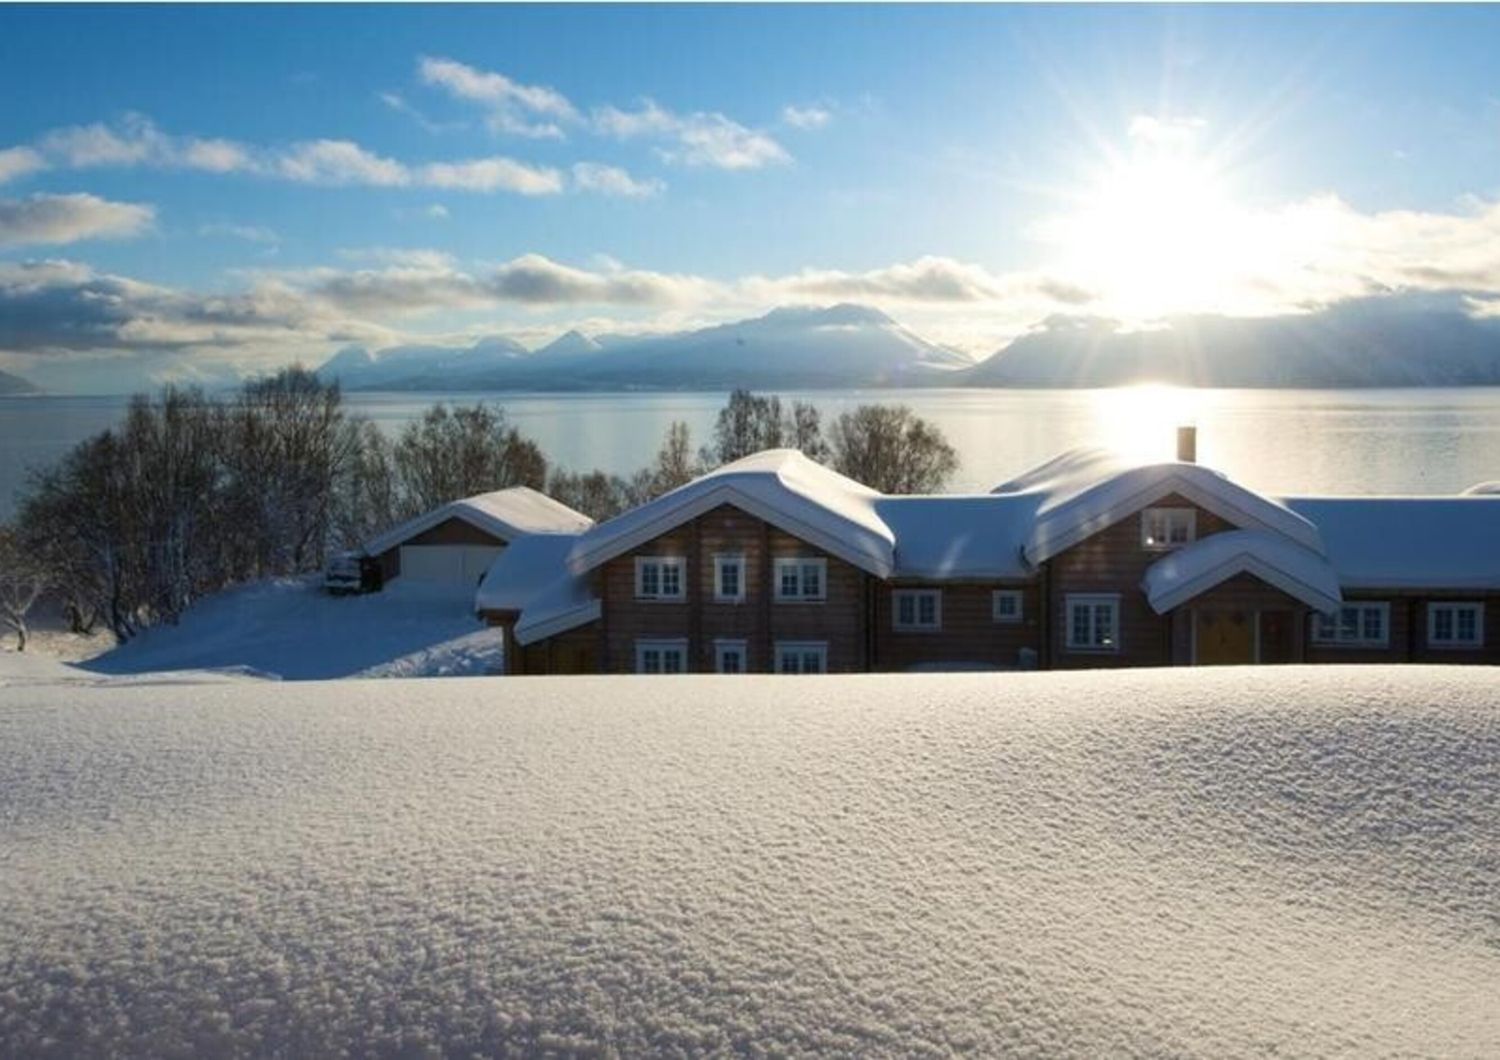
(1408, 631)
(969, 633)
(1113, 562)
(759, 619)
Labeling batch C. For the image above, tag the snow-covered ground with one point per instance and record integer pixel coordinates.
(1288, 861)
(290, 628)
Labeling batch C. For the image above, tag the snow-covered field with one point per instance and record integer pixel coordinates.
(290, 628)
(1286, 861)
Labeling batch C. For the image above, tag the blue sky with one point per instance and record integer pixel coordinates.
(193, 191)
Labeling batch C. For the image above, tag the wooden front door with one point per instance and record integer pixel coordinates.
(1224, 637)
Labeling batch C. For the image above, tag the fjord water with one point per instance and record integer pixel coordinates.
(1278, 441)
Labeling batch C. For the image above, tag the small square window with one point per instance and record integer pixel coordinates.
(729, 578)
(1357, 625)
(801, 657)
(1168, 528)
(661, 656)
(730, 656)
(1006, 605)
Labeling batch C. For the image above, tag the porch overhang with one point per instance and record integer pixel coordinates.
(1189, 572)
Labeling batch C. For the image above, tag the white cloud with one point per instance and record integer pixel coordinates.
(698, 139)
(808, 117)
(136, 140)
(401, 105)
(613, 181)
(511, 106)
(437, 212)
(340, 162)
(248, 233)
(18, 162)
(57, 219)
(492, 174)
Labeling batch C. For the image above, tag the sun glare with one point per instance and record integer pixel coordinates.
(1159, 233)
(1140, 422)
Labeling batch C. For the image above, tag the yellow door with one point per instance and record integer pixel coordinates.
(1225, 638)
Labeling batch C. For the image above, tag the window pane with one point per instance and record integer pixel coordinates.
(729, 661)
(1443, 624)
(789, 580)
(1468, 627)
(1080, 622)
(729, 578)
(904, 610)
(672, 661)
(1373, 624)
(1104, 625)
(650, 579)
(788, 662)
(812, 662)
(1327, 628)
(651, 661)
(671, 579)
(812, 580)
(927, 610)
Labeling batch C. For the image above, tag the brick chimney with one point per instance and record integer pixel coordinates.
(1187, 444)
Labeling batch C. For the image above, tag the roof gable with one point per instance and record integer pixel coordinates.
(780, 486)
(1188, 572)
(507, 514)
(1085, 491)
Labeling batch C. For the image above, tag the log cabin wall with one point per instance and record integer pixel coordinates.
(1113, 562)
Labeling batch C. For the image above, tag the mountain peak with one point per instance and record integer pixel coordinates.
(842, 314)
(570, 342)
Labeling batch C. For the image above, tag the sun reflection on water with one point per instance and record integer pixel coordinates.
(1140, 422)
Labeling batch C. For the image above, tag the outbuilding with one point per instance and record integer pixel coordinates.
(456, 543)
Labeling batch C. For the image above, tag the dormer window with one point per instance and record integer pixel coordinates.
(1163, 529)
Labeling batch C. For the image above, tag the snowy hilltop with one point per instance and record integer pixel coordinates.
(1279, 861)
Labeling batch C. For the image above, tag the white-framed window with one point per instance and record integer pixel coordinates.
(1093, 621)
(659, 577)
(661, 656)
(1357, 625)
(1168, 528)
(1455, 625)
(800, 580)
(801, 657)
(1005, 605)
(731, 657)
(917, 609)
(729, 577)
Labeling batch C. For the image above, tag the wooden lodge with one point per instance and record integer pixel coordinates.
(777, 564)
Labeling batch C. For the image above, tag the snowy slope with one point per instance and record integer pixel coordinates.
(290, 628)
(1279, 861)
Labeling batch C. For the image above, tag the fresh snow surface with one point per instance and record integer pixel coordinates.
(1276, 861)
(290, 628)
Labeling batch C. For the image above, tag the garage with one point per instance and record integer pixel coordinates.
(447, 564)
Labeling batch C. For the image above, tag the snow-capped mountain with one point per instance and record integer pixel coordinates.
(412, 366)
(837, 346)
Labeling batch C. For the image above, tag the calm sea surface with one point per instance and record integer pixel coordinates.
(1278, 441)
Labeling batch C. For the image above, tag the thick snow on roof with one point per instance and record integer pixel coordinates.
(532, 576)
(1084, 491)
(1409, 542)
(781, 486)
(1483, 489)
(506, 513)
(1288, 860)
(959, 536)
(1185, 573)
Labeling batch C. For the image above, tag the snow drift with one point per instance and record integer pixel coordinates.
(1271, 861)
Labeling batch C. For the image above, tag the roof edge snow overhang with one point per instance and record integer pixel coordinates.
(1166, 586)
(1229, 501)
(876, 556)
(531, 632)
(436, 517)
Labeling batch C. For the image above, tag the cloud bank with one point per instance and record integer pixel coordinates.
(58, 219)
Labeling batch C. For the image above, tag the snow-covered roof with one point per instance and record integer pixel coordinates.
(781, 486)
(957, 537)
(1188, 572)
(532, 576)
(507, 513)
(1409, 542)
(1084, 491)
(1483, 489)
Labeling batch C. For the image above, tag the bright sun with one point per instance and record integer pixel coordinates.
(1157, 234)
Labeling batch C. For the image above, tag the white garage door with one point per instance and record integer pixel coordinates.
(452, 564)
